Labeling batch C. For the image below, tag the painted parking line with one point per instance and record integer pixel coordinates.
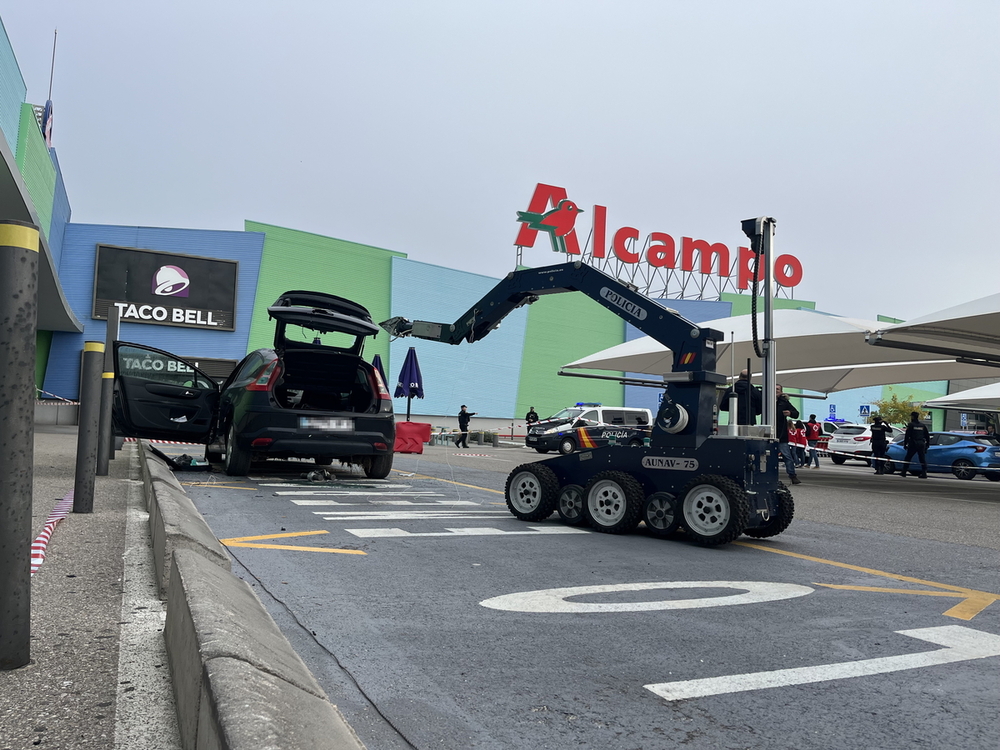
(254, 542)
(397, 503)
(960, 644)
(973, 601)
(423, 515)
(468, 531)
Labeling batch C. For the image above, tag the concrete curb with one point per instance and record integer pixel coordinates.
(237, 681)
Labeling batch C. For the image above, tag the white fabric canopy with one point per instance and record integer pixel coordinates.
(971, 329)
(984, 398)
(815, 351)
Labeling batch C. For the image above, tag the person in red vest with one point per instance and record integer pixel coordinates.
(814, 431)
(797, 437)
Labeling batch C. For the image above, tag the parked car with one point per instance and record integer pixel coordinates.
(559, 432)
(853, 442)
(311, 396)
(962, 455)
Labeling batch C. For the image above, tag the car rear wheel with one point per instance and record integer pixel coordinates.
(993, 476)
(237, 460)
(963, 469)
(839, 460)
(889, 467)
(531, 492)
(635, 443)
(613, 502)
(567, 446)
(377, 467)
(569, 505)
(542, 450)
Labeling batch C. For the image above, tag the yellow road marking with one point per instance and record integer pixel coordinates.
(450, 481)
(973, 601)
(299, 549)
(236, 539)
(253, 542)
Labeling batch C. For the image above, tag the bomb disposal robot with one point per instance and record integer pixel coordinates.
(715, 487)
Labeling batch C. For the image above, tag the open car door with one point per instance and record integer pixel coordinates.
(160, 396)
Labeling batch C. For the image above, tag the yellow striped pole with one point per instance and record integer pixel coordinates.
(18, 322)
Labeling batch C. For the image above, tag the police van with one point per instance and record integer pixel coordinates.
(589, 425)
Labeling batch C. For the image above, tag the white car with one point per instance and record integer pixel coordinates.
(854, 441)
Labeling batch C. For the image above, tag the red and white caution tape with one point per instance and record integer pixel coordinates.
(159, 442)
(38, 547)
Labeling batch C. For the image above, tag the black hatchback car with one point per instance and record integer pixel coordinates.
(311, 396)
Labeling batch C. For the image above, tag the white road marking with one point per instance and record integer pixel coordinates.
(397, 503)
(555, 600)
(418, 515)
(339, 485)
(484, 531)
(348, 493)
(961, 644)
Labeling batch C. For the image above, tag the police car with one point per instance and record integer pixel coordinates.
(589, 425)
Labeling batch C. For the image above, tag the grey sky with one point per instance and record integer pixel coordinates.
(869, 130)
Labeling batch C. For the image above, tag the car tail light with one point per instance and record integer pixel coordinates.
(266, 377)
(862, 438)
(261, 442)
(383, 392)
(980, 448)
(380, 446)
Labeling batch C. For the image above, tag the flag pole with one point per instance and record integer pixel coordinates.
(52, 67)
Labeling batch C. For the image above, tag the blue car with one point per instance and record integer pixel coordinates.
(962, 455)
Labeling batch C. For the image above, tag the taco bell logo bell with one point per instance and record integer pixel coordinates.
(171, 281)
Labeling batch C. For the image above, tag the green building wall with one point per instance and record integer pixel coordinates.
(37, 169)
(293, 259)
(562, 328)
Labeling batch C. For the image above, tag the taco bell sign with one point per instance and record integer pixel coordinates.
(149, 286)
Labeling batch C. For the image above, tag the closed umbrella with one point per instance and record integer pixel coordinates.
(377, 364)
(410, 383)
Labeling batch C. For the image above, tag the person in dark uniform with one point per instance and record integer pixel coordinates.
(881, 436)
(785, 412)
(462, 441)
(916, 440)
(532, 416)
(748, 400)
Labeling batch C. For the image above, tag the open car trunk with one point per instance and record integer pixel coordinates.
(316, 378)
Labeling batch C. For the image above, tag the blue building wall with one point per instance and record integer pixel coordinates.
(483, 375)
(695, 310)
(61, 212)
(76, 271)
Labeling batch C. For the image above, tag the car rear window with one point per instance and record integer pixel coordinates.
(855, 430)
(982, 439)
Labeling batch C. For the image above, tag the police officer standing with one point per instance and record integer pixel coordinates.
(916, 440)
(532, 416)
(881, 434)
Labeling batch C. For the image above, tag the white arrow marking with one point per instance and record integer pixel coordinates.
(486, 531)
(961, 644)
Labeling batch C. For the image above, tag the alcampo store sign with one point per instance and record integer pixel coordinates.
(550, 210)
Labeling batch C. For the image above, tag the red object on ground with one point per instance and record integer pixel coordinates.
(411, 436)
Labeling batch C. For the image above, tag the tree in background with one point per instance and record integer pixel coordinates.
(896, 411)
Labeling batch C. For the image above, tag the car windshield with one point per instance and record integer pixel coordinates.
(571, 413)
(335, 339)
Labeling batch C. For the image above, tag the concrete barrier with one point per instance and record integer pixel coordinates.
(238, 684)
